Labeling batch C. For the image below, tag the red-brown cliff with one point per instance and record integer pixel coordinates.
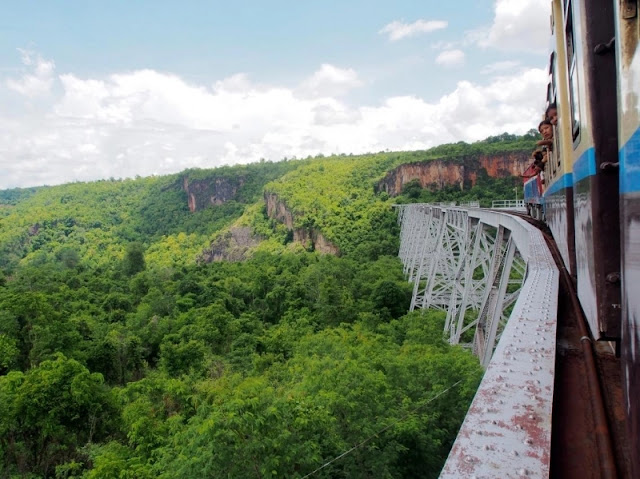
(462, 172)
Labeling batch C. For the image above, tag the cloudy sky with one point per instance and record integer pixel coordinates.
(99, 89)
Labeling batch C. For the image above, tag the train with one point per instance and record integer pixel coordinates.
(588, 188)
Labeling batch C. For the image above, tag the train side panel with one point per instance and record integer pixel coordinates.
(558, 200)
(628, 58)
(589, 26)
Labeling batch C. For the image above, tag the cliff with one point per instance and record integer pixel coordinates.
(277, 210)
(461, 172)
(231, 246)
(214, 191)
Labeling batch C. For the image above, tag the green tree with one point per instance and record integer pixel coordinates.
(50, 412)
(134, 259)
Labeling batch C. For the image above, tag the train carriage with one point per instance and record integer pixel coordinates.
(592, 193)
(588, 26)
(628, 61)
(558, 194)
(580, 175)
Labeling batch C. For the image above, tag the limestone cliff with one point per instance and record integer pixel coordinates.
(214, 191)
(461, 172)
(231, 246)
(277, 210)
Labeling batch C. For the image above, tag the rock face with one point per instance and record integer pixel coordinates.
(463, 172)
(232, 246)
(204, 193)
(277, 210)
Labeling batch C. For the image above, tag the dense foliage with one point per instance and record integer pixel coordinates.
(121, 356)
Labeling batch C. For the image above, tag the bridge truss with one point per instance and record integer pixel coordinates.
(465, 266)
(494, 276)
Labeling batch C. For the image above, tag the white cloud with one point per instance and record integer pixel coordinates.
(38, 77)
(397, 30)
(499, 67)
(450, 58)
(330, 81)
(442, 45)
(518, 25)
(146, 122)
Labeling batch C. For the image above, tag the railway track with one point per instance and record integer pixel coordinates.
(588, 431)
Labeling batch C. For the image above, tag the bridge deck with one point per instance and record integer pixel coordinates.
(507, 431)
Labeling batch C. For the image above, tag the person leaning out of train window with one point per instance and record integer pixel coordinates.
(539, 159)
(546, 130)
(552, 114)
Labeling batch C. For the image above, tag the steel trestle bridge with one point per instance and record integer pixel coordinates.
(496, 279)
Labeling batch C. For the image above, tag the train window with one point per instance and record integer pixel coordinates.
(552, 88)
(575, 111)
(554, 153)
(573, 76)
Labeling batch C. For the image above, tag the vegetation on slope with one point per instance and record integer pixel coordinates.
(96, 220)
(336, 196)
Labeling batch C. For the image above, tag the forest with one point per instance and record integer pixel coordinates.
(125, 354)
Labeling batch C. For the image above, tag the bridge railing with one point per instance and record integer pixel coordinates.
(508, 204)
(494, 276)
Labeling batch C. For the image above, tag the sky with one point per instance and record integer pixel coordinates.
(115, 89)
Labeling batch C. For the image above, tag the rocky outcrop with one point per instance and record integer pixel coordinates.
(233, 245)
(462, 172)
(277, 210)
(311, 238)
(213, 191)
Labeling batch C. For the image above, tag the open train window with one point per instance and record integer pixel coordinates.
(552, 93)
(573, 76)
(552, 89)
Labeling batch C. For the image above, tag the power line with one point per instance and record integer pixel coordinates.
(382, 430)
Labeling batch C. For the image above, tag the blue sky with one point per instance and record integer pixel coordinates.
(115, 89)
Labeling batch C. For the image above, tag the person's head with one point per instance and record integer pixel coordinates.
(538, 156)
(552, 114)
(546, 129)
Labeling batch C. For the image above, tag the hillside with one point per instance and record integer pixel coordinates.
(245, 321)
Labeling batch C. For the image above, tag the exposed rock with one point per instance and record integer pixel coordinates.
(462, 172)
(277, 210)
(214, 191)
(232, 246)
(314, 238)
